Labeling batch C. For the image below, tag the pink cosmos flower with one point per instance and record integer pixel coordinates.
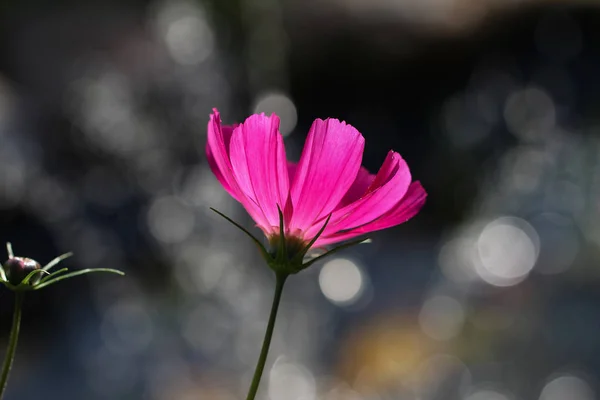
(327, 187)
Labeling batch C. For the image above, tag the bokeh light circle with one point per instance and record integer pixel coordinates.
(341, 281)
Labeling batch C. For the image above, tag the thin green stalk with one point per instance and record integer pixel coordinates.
(12, 341)
(260, 366)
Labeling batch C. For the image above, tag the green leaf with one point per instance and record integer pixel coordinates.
(74, 274)
(261, 247)
(335, 250)
(56, 261)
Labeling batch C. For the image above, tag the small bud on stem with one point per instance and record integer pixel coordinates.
(17, 268)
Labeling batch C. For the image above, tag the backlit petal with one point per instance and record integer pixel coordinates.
(386, 190)
(359, 187)
(410, 205)
(217, 152)
(259, 165)
(328, 166)
(404, 210)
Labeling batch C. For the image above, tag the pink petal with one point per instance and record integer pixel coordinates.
(404, 210)
(260, 167)
(292, 167)
(359, 187)
(410, 205)
(289, 207)
(328, 166)
(217, 152)
(386, 190)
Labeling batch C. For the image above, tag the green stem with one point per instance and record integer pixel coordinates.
(12, 342)
(260, 366)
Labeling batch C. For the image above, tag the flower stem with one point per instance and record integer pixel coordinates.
(12, 342)
(260, 366)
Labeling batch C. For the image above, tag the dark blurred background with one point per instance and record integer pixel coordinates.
(490, 293)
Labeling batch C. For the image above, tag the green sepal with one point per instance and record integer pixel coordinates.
(30, 275)
(9, 250)
(300, 256)
(289, 253)
(58, 259)
(335, 250)
(53, 274)
(282, 253)
(261, 247)
(74, 274)
(13, 287)
(26, 284)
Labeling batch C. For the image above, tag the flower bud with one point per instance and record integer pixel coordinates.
(17, 268)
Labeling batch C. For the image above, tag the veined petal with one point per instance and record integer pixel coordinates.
(292, 167)
(410, 205)
(404, 210)
(218, 163)
(359, 187)
(288, 210)
(328, 166)
(258, 159)
(387, 189)
(217, 153)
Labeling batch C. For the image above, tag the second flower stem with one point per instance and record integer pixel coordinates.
(12, 341)
(260, 366)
